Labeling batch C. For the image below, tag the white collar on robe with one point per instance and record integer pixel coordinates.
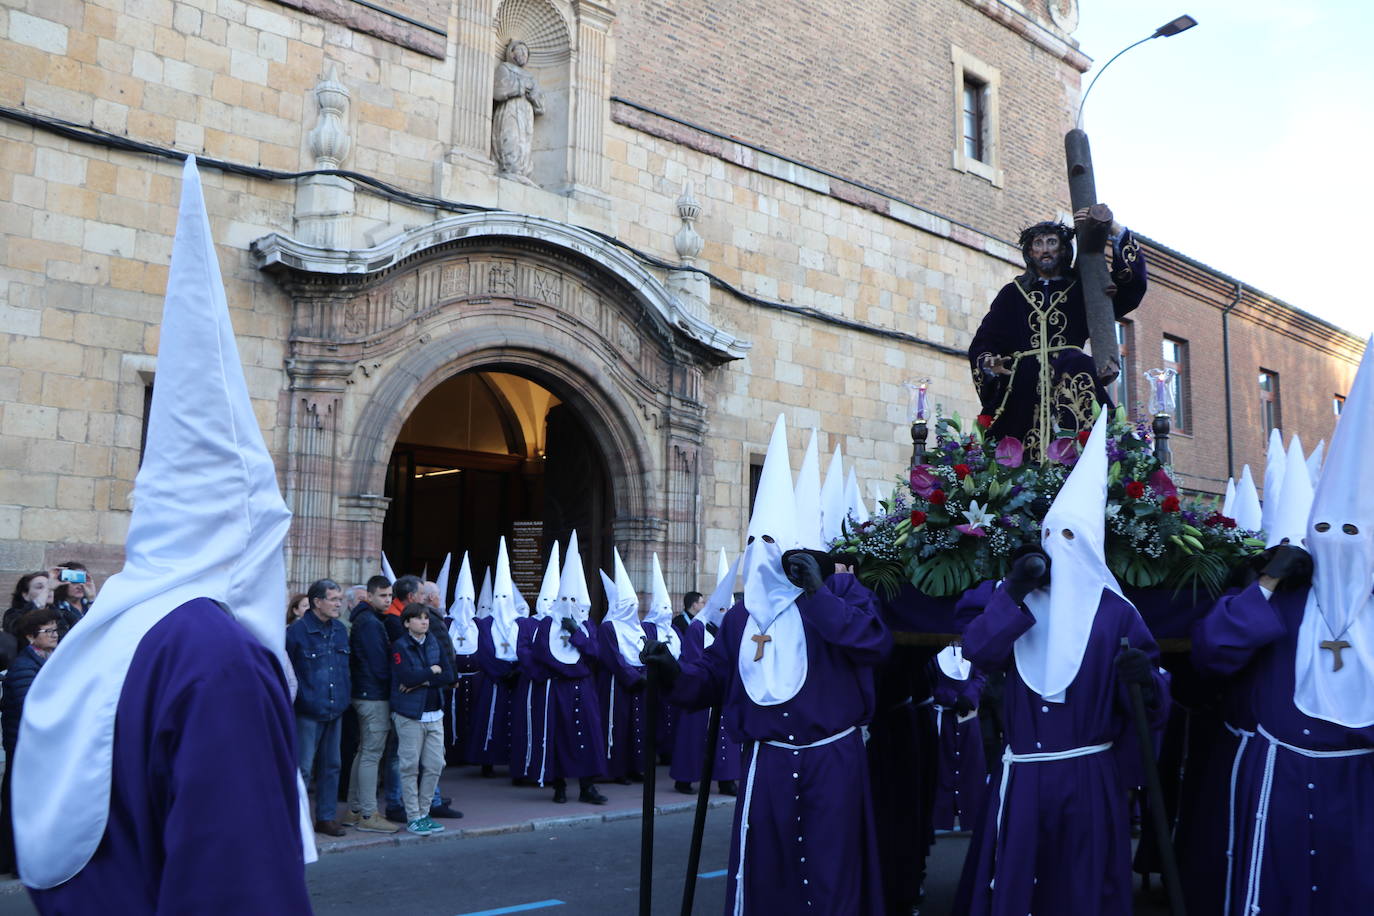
(208, 521)
(952, 662)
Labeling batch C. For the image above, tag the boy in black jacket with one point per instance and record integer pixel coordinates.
(419, 668)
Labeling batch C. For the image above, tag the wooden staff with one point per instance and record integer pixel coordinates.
(650, 767)
(689, 888)
(1092, 264)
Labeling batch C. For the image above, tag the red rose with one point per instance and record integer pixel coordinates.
(1135, 489)
(918, 518)
(937, 498)
(1083, 435)
(1170, 504)
(984, 420)
(962, 470)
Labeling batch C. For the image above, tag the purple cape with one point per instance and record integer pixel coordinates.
(689, 741)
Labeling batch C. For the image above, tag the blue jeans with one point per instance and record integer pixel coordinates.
(391, 776)
(317, 746)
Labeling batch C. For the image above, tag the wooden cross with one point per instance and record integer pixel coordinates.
(761, 639)
(462, 639)
(505, 646)
(1335, 645)
(566, 638)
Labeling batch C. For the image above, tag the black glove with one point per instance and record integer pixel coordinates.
(1030, 569)
(568, 625)
(1291, 565)
(963, 706)
(1134, 667)
(803, 571)
(656, 655)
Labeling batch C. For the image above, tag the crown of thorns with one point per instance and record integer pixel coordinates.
(1048, 227)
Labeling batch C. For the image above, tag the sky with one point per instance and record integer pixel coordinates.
(1246, 143)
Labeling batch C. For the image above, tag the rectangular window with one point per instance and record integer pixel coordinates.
(1338, 403)
(147, 410)
(975, 119)
(1270, 415)
(1175, 354)
(974, 107)
(755, 474)
(1121, 388)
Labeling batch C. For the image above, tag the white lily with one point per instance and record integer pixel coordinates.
(1113, 509)
(977, 516)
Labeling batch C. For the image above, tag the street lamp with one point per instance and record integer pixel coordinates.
(1167, 30)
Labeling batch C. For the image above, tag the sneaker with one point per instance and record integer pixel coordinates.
(351, 818)
(375, 823)
(433, 825)
(420, 826)
(444, 811)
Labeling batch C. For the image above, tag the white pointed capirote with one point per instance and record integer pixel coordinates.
(660, 612)
(386, 568)
(1249, 514)
(462, 628)
(878, 496)
(808, 498)
(1228, 503)
(504, 609)
(208, 522)
(775, 674)
(1274, 465)
(832, 498)
(1288, 524)
(623, 612)
(1340, 537)
(1314, 462)
(721, 599)
(484, 597)
(548, 589)
(952, 662)
(855, 507)
(1073, 534)
(573, 603)
(723, 567)
(441, 580)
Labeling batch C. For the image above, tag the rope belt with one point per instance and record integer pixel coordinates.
(821, 743)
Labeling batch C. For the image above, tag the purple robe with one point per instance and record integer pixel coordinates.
(528, 722)
(490, 742)
(204, 816)
(962, 780)
(1313, 850)
(667, 713)
(1063, 842)
(576, 741)
(803, 837)
(621, 689)
(689, 742)
(459, 730)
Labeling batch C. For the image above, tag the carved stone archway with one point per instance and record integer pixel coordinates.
(374, 331)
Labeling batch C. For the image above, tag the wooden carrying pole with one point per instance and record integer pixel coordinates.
(708, 769)
(1092, 263)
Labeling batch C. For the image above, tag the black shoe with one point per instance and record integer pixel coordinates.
(487, 771)
(329, 828)
(446, 799)
(560, 795)
(684, 787)
(521, 781)
(444, 811)
(636, 777)
(591, 796)
(665, 759)
(727, 787)
(396, 814)
(623, 781)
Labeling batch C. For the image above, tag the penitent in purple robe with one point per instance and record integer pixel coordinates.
(576, 741)
(490, 742)
(667, 713)
(1063, 844)
(1314, 852)
(203, 809)
(621, 688)
(464, 709)
(528, 724)
(962, 780)
(803, 839)
(689, 742)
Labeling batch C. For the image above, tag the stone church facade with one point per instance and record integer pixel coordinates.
(685, 220)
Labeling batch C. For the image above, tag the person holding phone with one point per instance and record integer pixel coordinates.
(73, 592)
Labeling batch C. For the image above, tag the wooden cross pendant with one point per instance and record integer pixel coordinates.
(566, 639)
(462, 639)
(505, 647)
(1335, 645)
(762, 640)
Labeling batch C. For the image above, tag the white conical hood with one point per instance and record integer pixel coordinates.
(548, 589)
(504, 609)
(623, 612)
(808, 498)
(462, 628)
(855, 507)
(1228, 503)
(1288, 524)
(832, 498)
(1340, 537)
(1048, 656)
(723, 567)
(772, 530)
(1274, 466)
(571, 602)
(386, 568)
(1314, 462)
(484, 597)
(721, 599)
(441, 580)
(876, 489)
(1248, 514)
(661, 611)
(208, 521)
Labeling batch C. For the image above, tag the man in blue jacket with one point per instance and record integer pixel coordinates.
(317, 645)
(419, 668)
(371, 672)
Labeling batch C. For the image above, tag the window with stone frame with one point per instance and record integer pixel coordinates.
(1271, 417)
(1175, 356)
(1125, 346)
(977, 88)
(1337, 404)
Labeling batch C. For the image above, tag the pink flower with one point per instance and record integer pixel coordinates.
(1064, 451)
(971, 530)
(923, 483)
(1162, 485)
(1010, 452)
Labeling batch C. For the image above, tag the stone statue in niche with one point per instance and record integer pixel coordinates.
(518, 103)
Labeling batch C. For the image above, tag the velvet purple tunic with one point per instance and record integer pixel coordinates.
(1315, 853)
(576, 740)
(463, 709)
(203, 810)
(804, 817)
(962, 780)
(527, 721)
(490, 741)
(689, 741)
(1064, 841)
(621, 689)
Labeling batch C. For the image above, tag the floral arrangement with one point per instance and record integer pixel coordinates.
(962, 514)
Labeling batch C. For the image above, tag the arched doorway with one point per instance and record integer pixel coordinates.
(489, 454)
